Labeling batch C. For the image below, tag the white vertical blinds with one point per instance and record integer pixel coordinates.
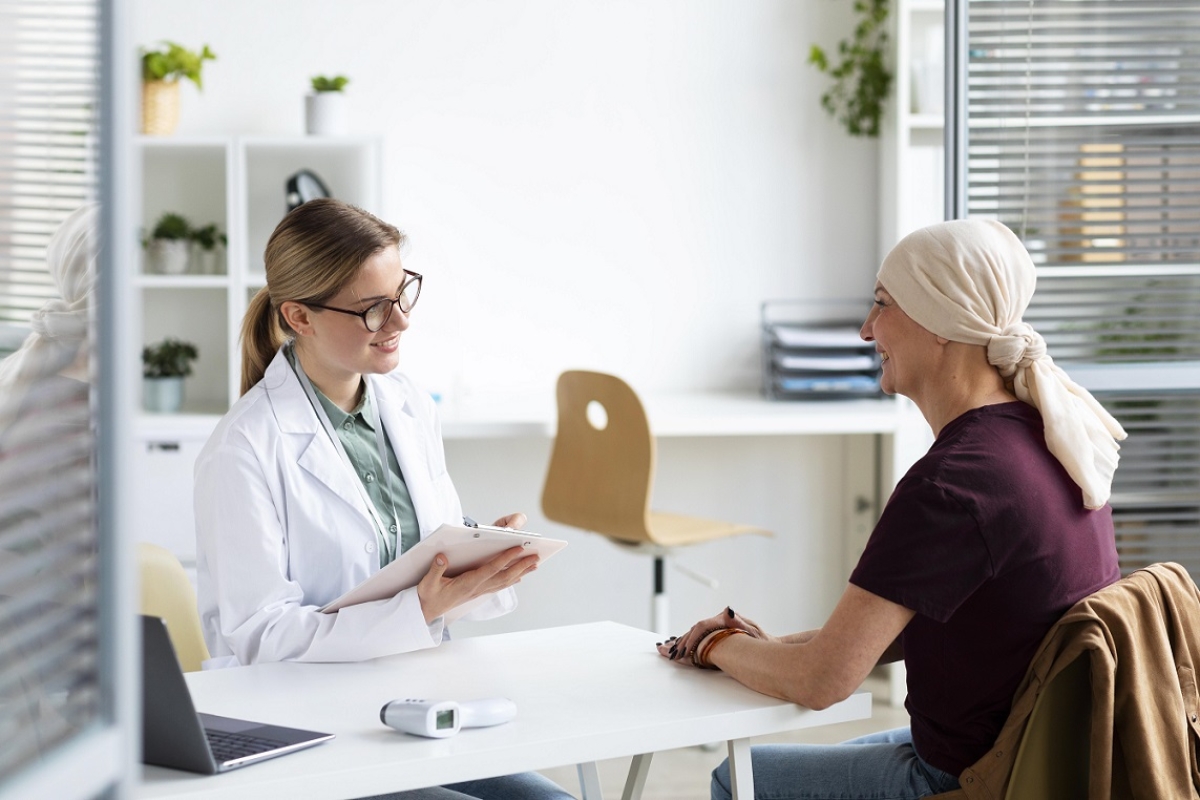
(1156, 491)
(49, 617)
(1083, 136)
(48, 73)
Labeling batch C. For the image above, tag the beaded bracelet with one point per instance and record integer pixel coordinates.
(700, 654)
(692, 652)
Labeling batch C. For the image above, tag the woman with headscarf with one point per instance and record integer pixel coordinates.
(52, 361)
(45, 430)
(987, 540)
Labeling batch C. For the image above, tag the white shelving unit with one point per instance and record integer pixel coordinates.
(911, 145)
(912, 152)
(238, 182)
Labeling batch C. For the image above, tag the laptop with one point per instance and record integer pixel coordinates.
(175, 735)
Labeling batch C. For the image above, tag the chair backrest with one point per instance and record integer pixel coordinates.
(599, 478)
(167, 593)
(1052, 761)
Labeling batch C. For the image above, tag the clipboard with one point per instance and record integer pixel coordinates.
(465, 548)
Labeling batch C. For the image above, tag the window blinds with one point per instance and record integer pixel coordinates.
(49, 671)
(48, 69)
(1083, 136)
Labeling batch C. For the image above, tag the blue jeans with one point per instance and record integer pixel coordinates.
(881, 765)
(523, 786)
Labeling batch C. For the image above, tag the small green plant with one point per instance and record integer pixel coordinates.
(170, 358)
(172, 226)
(208, 237)
(322, 83)
(861, 79)
(175, 62)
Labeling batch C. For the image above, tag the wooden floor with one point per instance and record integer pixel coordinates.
(685, 774)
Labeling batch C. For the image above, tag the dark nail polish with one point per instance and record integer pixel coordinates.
(672, 651)
(729, 611)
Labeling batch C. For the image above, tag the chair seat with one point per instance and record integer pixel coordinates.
(671, 530)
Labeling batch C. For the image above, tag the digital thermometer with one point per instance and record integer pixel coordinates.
(438, 719)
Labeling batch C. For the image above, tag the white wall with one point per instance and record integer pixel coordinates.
(614, 185)
(607, 184)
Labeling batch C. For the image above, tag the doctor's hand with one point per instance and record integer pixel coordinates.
(516, 521)
(440, 594)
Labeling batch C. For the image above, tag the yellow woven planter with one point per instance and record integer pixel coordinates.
(160, 107)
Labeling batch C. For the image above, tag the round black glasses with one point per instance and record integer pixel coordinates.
(377, 314)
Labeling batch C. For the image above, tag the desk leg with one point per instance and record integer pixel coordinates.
(589, 781)
(741, 776)
(639, 768)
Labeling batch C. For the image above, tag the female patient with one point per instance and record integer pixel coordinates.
(329, 466)
(983, 545)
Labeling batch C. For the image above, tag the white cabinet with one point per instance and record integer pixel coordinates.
(911, 146)
(239, 183)
(164, 458)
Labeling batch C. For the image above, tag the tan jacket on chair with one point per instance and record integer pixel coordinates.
(1143, 637)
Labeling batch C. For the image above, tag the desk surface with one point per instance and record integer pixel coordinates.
(583, 693)
(501, 415)
(686, 414)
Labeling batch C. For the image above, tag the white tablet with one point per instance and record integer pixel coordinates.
(465, 548)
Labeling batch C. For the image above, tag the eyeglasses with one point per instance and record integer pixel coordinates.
(377, 314)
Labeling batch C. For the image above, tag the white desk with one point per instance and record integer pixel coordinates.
(583, 693)
(686, 414)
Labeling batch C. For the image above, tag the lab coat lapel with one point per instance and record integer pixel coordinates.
(307, 440)
(410, 447)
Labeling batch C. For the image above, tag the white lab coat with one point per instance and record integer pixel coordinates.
(281, 529)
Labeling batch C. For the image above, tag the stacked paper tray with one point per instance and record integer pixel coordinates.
(814, 355)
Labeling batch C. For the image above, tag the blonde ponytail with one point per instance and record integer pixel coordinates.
(261, 337)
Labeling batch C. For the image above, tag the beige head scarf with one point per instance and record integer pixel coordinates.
(970, 281)
(61, 325)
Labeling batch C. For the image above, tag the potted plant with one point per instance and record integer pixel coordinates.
(164, 366)
(325, 108)
(167, 249)
(161, 71)
(206, 240)
(861, 78)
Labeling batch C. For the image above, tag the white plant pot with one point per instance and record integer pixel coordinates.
(162, 395)
(325, 114)
(206, 261)
(168, 256)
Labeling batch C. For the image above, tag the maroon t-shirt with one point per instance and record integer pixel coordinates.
(987, 540)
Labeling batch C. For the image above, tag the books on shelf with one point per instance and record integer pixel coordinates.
(812, 350)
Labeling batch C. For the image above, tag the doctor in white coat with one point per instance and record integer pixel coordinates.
(282, 529)
(329, 466)
(286, 519)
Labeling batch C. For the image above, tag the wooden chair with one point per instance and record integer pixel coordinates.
(167, 593)
(600, 477)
